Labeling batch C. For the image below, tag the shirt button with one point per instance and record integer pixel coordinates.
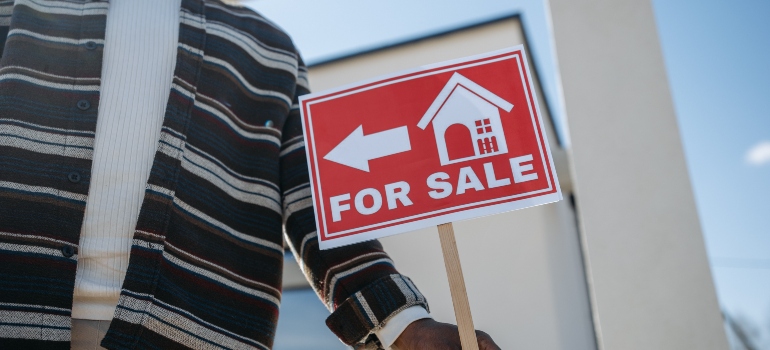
(68, 251)
(74, 177)
(90, 45)
(269, 123)
(84, 105)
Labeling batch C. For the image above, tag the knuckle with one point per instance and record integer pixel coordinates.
(482, 334)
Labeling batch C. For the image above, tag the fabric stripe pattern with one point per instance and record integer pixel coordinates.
(228, 186)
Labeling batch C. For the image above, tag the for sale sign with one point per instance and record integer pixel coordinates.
(441, 143)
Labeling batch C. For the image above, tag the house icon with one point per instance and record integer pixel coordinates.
(466, 121)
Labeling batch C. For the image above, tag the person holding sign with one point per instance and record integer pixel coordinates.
(151, 166)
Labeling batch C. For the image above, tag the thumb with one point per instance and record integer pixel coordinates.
(485, 341)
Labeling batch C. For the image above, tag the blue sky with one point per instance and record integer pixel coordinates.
(717, 53)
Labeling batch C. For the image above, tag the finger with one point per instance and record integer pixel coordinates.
(486, 342)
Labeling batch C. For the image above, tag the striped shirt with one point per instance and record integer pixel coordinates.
(227, 186)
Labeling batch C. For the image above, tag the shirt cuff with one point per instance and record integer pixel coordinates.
(398, 323)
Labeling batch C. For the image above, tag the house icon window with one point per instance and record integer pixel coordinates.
(486, 144)
(482, 126)
(466, 121)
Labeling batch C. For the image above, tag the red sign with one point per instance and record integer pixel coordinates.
(441, 143)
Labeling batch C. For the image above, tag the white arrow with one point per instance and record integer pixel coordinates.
(357, 150)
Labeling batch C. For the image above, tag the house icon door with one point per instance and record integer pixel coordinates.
(466, 121)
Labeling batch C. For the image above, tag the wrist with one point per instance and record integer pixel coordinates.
(410, 333)
(398, 323)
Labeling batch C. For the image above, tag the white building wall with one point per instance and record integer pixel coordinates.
(650, 282)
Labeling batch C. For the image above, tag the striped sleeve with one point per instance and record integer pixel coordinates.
(358, 283)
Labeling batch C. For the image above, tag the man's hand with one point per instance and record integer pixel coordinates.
(427, 334)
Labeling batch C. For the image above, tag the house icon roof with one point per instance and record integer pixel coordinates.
(458, 80)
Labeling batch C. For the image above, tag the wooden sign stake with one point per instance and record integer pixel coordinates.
(457, 287)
